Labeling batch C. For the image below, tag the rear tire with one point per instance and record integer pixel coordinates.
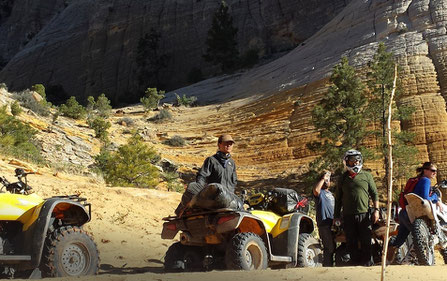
(421, 242)
(309, 251)
(246, 251)
(69, 251)
(183, 258)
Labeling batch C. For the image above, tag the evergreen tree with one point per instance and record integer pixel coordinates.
(130, 165)
(340, 119)
(380, 84)
(151, 98)
(150, 61)
(221, 40)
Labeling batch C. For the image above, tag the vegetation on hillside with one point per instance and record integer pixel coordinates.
(344, 115)
(130, 165)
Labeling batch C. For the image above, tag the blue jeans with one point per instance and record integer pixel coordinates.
(404, 229)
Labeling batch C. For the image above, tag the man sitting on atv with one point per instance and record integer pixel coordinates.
(219, 168)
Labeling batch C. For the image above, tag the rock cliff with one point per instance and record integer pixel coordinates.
(273, 129)
(89, 47)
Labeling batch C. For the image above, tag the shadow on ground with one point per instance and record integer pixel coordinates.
(110, 269)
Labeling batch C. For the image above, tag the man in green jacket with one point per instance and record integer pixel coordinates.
(353, 192)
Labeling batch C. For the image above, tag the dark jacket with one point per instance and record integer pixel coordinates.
(218, 169)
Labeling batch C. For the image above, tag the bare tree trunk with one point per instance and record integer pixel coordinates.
(390, 178)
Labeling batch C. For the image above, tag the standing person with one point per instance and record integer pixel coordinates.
(426, 173)
(325, 215)
(219, 168)
(354, 189)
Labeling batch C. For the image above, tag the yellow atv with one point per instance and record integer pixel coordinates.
(241, 240)
(43, 234)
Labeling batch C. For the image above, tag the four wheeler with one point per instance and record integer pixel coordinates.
(429, 226)
(342, 258)
(240, 239)
(44, 234)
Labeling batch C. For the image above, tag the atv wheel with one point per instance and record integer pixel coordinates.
(246, 251)
(183, 258)
(421, 241)
(309, 251)
(69, 251)
(342, 257)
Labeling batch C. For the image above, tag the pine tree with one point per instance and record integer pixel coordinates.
(380, 84)
(221, 40)
(340, 119)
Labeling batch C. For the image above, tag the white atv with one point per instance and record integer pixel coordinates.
(429, 227)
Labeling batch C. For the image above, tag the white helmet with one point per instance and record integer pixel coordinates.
(353, 155)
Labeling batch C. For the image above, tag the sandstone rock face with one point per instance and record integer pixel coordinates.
(273, 130)
(90, 46)
(21, 20)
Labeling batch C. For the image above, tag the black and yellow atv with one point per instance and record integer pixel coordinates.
(43, 234)
(241, 240)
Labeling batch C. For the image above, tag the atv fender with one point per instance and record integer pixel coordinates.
(285, 242)
(70, 212)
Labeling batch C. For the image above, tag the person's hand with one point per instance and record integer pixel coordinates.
(327, 178)
(375, 216)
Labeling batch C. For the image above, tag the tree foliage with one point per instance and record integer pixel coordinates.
(340, 119)
(18, 138)
(100, 107)
(151, 98)
(221, 40)
(380, 84)
(130, 165)
(150, 60)
(72, 109)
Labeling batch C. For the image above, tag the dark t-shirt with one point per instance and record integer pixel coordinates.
(325, 207)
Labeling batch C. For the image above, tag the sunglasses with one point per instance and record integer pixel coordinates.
(433, 170)
(354, 158)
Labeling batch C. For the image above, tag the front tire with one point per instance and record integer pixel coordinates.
(69, 251)
(246, 251)
(422, 244)
(309, 251)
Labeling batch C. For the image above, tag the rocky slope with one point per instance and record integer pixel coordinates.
(88, 47)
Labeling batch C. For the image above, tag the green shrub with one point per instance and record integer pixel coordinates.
(72, 109)
(185, 101)
(27, 100)
(18, 139)
(3, 86)
(15, 108)
(40, 89)
(173, 182)
(162, 116)
(175, 141)
(100, 126)
(151, 98)
(101, 106)
(130, 165)
(126, 121)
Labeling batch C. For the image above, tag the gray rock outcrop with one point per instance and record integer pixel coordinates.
(90, 46)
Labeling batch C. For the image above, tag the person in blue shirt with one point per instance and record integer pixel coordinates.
(325, 215)
(426, 173)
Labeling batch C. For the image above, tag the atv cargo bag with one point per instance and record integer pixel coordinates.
(216, 196)
(285, 201)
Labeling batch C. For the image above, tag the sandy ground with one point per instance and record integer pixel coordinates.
(127, 222)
